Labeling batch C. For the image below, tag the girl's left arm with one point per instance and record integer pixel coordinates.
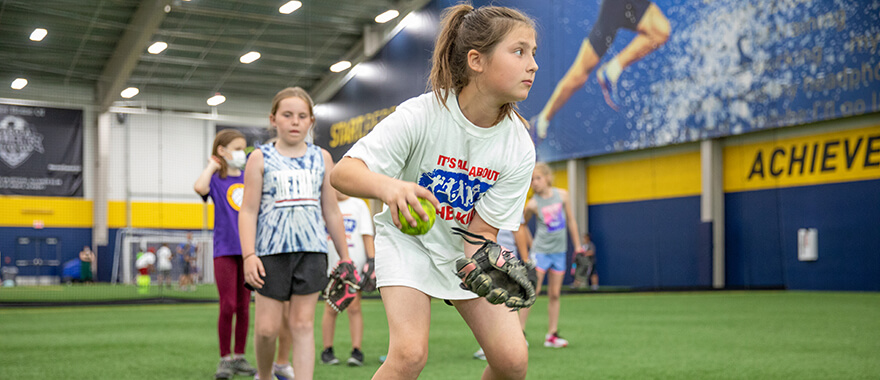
(480, 227)
(572, 224)
(369, 246)
(330, 209)
(247, 220)
(523, 239)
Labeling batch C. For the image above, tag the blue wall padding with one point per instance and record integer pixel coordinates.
(761, 241)
(650, 244)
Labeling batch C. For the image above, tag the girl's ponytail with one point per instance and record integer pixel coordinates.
(448, 64)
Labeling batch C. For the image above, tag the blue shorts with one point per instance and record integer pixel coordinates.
(551, 261)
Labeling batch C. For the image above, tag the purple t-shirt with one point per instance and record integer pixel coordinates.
(227, 196)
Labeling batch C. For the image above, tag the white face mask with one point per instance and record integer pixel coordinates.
(239, 158)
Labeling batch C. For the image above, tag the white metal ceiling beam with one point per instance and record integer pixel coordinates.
(137, 36)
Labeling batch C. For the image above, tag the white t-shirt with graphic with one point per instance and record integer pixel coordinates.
(465, 166)
(358, 222)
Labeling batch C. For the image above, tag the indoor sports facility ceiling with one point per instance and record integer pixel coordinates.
(102, 44)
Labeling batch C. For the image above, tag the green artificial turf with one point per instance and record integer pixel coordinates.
(698, 335)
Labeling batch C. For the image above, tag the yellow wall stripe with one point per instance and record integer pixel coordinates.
(116, 214)
(52, 212)
(167, 215)
(671, 176)
(560, 177)
(846, 156)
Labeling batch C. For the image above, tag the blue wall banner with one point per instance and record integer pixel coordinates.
(652, 74)
(41, 151)
(711, 68)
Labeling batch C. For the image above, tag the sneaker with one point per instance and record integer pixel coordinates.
(553, 340)
(480, 354)
(224, 370)
(541, 124)
(382, 358)
(328, 358)
(241, 367)
(282, 372)
(538, 126)
(357, 358)
(609, 87)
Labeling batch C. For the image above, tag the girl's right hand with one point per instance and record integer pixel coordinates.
(254, 271)
(214, 163)
(403, 193)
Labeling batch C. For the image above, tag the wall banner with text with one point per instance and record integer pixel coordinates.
(41, 151)
(682, 71)
(647, 74)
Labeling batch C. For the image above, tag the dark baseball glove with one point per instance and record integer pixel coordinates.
(368, 277)
(343, 286)
(495, 273)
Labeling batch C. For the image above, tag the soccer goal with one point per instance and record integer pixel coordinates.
(130, 242)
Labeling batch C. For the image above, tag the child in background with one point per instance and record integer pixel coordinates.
(163, 258)
(550, 205)
(187, 253)
(222, 181)
(465, 149)
(86, 257)
(584, 268)
(287, 200)
(359, 235)
(144, 264)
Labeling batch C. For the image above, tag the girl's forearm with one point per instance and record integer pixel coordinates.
(247, 232)
(351, 176)
(203, 183)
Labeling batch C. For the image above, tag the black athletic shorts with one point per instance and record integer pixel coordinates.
(297, 273)
(613, 15)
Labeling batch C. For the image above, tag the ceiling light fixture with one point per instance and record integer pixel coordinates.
(340, 66)
(216, 100)
(289, 7)
(19, 83)
(387, 16)
(38, 34)
(249, 57)
(157, 47)
(130, 92)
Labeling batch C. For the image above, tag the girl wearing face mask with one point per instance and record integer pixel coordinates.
(223, 181)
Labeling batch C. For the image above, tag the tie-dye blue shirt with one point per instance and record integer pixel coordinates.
(290, 218)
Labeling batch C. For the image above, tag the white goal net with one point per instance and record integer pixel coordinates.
(132, 241)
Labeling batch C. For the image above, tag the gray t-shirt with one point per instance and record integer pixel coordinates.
(550, 234)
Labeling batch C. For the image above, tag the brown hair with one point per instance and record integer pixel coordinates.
(464, 29)
(223, 138)
(543, 169)
(293, 92)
